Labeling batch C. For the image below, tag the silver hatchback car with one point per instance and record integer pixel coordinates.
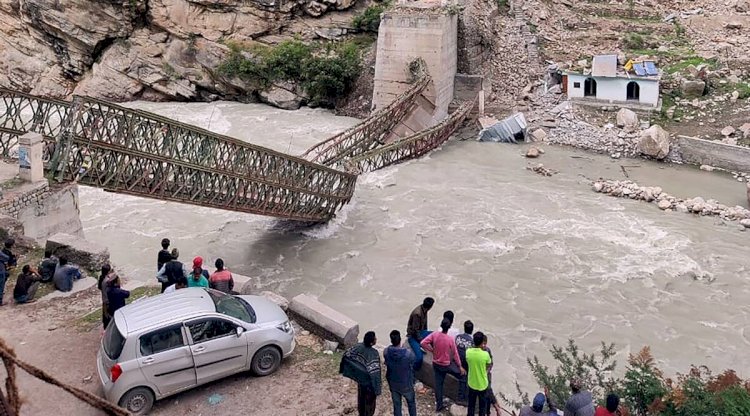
(172, 342)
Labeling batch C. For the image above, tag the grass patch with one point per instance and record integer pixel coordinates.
(11, 183)
(684, 63)
(743, 88)
(326, 365)
(324, 70)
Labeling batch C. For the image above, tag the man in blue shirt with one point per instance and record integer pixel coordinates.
(399, 363)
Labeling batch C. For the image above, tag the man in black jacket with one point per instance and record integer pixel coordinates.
(164, 255)
(171, 271)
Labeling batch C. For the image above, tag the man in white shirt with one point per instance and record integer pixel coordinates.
(180, 284)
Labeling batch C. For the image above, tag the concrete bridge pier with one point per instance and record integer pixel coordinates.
(417, 30)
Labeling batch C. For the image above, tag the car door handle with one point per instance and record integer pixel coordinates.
(199, 349)
(148, 361)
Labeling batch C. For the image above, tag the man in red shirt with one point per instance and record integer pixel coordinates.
(445, 359)
(613, 401)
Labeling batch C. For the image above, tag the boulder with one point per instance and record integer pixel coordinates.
(277, 299)
(282, 97)
(727, 131)
(539, 135)
(533, 152)
(654, 142)
(742, 6)
(78, 251)
(324, 321)
(745, 129)
(693, 89)
(664, 204)
(627, 118)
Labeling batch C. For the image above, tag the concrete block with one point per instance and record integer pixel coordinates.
(427, 376)
(30, 165)
(717, 154)
(79, 251)
(242, 283)
(323, 320)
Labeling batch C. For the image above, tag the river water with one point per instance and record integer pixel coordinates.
(531, 260)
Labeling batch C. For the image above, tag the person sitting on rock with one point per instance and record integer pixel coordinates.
(26, 285)
(181, 283)
(47, 267)
(65, 275)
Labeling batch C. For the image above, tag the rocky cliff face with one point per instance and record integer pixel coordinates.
(141, 49)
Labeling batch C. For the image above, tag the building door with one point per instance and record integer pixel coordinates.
(589, 87)
(633, 91)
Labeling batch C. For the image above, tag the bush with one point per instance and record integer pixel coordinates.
(324, 71)
(633, 41)
(643, 390)
(369, 20)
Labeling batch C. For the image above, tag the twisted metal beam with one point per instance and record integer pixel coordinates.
(140, 153)
(369, 134)
(410, 147)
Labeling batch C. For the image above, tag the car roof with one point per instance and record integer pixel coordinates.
(164, 309)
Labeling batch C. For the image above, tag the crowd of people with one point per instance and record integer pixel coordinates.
(464, 355)
(50, 269)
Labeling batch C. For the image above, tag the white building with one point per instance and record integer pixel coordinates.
(609, 84)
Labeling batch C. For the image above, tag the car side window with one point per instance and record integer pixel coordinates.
(161, 340)
(209, 329)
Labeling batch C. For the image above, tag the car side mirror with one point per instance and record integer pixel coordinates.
(240, 330)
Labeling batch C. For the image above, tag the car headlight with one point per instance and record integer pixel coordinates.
(286, 327)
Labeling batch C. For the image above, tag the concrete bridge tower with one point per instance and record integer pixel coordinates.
(417, 29)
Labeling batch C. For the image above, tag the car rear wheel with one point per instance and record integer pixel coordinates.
(138, 401)
(266, 361)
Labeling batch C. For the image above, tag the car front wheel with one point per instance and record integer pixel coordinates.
(138, 401)
(266, 361)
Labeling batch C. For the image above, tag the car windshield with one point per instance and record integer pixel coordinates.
(232, 306)
(113, 341)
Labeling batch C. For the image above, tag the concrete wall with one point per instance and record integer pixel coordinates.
(716, 154)
(409, 33)
(54, 212)
(615, 89)
(469, 87)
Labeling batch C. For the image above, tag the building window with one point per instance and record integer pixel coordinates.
(589, 87)
(633, 91)
(576, 85)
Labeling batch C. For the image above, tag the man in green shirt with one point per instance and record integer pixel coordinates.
(478, 359)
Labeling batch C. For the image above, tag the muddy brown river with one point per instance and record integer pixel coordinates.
(531, 260)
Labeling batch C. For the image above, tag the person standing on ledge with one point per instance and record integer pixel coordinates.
(222, 278)
(478, 360)
(399, 371)
(416, 330)
(445, 359)
(164, 255)
(361, 363)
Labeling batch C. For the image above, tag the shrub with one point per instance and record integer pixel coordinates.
(324, 71)
(643, 384)
(633, 41)
(369, 20)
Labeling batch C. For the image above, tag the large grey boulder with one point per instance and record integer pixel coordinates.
(282, 97)
(78, 251)
(627, 119)
(693, 89)
(322, 320)
(654, 142)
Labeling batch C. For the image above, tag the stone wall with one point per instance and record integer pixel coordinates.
(716, 154)
(14, 204)
(45, 210)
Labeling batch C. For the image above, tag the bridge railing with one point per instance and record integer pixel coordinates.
(136, 152)
(369, 134)
(412, 146)
(21, 113)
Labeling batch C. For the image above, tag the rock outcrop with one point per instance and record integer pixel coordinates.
(139, 49)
